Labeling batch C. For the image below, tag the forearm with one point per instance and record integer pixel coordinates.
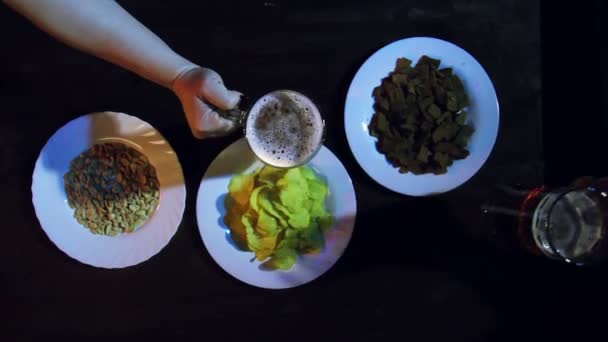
(106, 30)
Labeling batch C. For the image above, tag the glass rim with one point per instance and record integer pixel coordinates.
(244, 115)
(560, 193)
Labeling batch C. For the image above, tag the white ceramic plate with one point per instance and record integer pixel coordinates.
(483, 113)
(238, 158)
(56, 217)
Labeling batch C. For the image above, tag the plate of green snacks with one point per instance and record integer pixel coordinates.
(421, 116)
(274, 227)
(108, 190)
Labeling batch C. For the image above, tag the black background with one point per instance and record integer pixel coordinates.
(418, 268)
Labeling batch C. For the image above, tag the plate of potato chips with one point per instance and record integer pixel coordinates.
(275, 227)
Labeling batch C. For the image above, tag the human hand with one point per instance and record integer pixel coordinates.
(196, 89)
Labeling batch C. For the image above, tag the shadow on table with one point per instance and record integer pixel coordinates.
(420, 245)
(412, 232)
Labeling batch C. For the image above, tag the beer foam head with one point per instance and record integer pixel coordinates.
(284, 128)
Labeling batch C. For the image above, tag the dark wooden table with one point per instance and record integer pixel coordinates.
(419, 268)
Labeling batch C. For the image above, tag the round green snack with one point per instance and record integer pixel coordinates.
(112, 188)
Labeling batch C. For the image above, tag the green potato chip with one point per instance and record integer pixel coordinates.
(262, 246)
(267, 175)
(293, 189)
(311, 240)
(317, 190)
(325, 221)
(282, 209)
(308, 173)
(266, 204)
(293, 178)
(284, 214)
(284, 258)
(290, 238)
(292, 197)
(248, 220)
(253, 198)
(267, 224)
(299, 219)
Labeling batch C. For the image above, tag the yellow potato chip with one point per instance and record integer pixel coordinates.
(284, 258)
(278, 213)
(253, 198)
(265, 203)
(233, 219)
(262, 246)
(266, 225)
(269, 175)
(240, 188)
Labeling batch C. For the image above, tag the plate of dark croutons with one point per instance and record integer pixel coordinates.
(421, 116)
